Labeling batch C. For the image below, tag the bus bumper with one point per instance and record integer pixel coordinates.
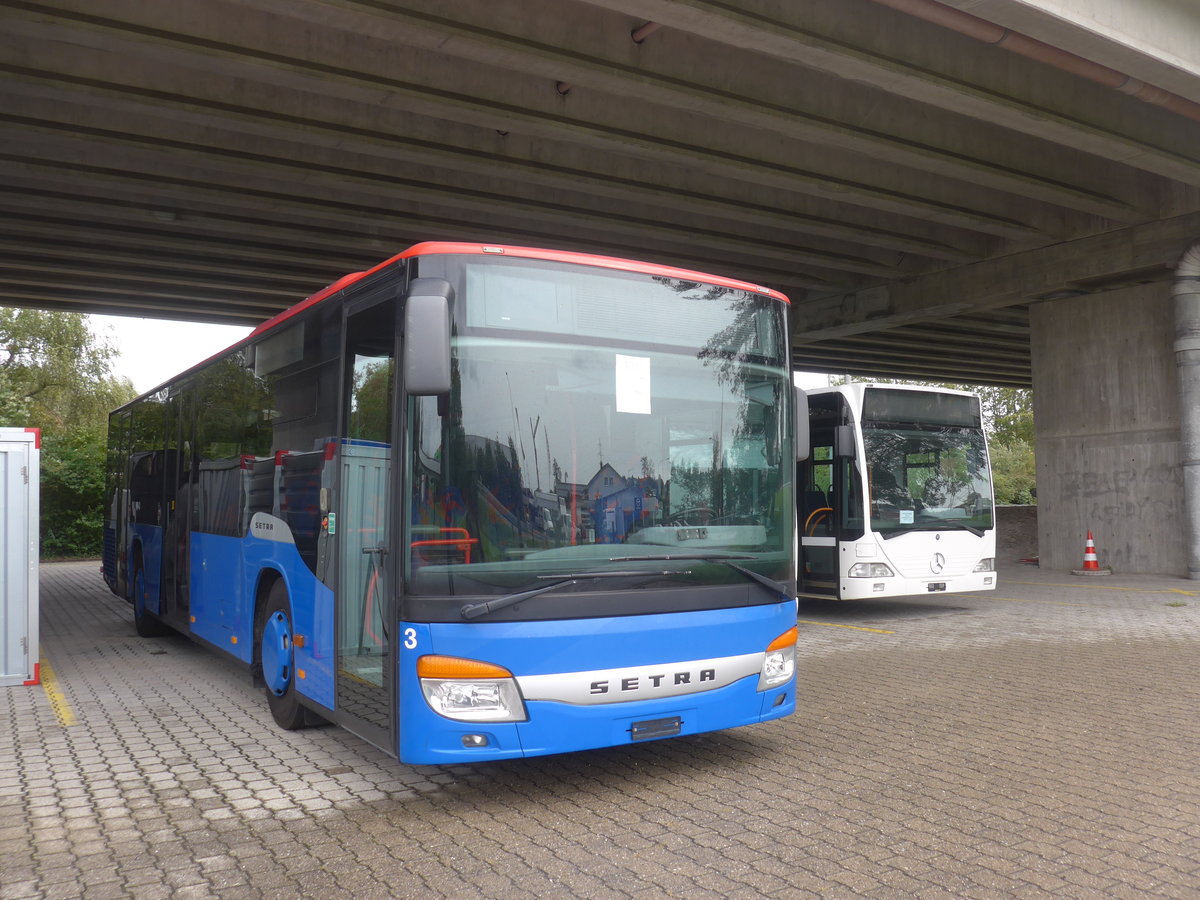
(868, 588)
(562, 728)
(562, 667)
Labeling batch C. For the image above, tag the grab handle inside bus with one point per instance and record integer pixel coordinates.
(800, 424)
(427, 337)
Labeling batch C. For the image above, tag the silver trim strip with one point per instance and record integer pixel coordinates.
(600, 686)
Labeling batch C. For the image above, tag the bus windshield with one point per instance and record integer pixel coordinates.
(926, 476)
(601, 423)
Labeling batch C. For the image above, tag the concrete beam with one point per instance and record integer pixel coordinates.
(214, 310)
(372, 182)
(344, 126)
(783, 36)
(570, 61)
(501, 101)
(1155, 41)
(31, 231)
(219, 190)
(1075, 267)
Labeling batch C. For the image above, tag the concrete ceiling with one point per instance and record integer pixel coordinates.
(912, 188)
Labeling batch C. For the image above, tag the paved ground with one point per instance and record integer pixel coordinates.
(1042, 741)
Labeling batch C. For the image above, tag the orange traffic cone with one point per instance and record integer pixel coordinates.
(1091, 564)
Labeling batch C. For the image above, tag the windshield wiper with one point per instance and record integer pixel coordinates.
(978, 532)
(770, 584)
(475, 610)
(941, 525)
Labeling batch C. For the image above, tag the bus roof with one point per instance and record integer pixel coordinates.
(433, 248)
(857, 387)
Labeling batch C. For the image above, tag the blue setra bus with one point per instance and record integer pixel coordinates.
(481, 503)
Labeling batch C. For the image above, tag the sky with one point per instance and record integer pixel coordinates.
(154, 350)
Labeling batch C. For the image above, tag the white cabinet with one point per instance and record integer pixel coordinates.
(19, 456)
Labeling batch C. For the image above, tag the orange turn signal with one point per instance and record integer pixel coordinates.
(787, 639)
(454, 667)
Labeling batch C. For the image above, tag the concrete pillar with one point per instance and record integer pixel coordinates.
(1106, 413)
(1187, 364)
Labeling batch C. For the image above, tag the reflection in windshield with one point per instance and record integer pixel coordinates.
(927, 478)
(558, 444)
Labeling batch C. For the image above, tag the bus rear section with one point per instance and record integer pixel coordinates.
(896, 499)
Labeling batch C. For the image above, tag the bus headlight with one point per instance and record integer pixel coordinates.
(779, 665)
(870, 570)
(987, 564)
(469, 690)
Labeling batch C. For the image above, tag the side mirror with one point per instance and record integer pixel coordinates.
(844, 446)
(800, 436)
(426, 341)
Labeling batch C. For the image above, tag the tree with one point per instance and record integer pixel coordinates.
(1014, 472)
(56, 375)
(1007, 412)
(54, 369)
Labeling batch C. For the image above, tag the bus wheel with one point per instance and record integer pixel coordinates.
(278, 662)
(143, 622)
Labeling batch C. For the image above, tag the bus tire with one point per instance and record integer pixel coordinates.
(277, 659)
(143, 621)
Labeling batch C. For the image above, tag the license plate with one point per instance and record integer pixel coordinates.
(655, 728)
(936, 586)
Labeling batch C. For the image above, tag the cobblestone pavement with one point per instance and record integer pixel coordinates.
(1042, 741)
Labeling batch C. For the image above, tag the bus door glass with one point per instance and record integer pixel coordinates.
(365, 619)
(116, 529)
(829, 496)
(817, 498)
(176, 500)
(817, 518)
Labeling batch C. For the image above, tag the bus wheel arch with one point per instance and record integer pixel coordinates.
(144, 623)
(262, 590)
(274, 657)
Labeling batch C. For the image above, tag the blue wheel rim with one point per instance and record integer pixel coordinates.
(277, 653)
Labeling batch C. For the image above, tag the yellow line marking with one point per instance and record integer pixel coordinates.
(1037, 600)
(1018, 599)
(58, 700)
(1105, 587)
(836, 625)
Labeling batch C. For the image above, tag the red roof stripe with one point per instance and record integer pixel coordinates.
(432, 248)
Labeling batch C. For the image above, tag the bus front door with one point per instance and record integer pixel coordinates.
(176, 471)
(366, 612)
(817, 518)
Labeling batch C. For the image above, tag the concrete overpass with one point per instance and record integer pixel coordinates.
(994, 191)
